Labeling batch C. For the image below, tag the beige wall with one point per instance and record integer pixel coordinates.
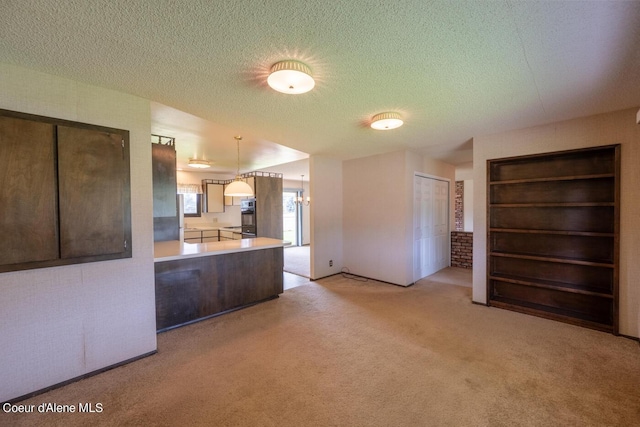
(378, 213)
(326, 215)
(605, 129)
(375, 217)
(62, 322)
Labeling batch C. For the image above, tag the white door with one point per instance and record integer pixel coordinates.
(431, 226)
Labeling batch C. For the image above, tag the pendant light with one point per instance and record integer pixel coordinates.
(386, 121)
(300, 199)
(238, 188)
(292, 77)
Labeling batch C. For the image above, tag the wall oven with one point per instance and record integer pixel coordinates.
(248, 217)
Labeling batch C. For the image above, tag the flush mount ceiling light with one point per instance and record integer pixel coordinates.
(201, 164)
(386, 121)
(238, 188)
(290, 76)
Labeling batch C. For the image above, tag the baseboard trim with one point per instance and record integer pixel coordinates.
(78, 378)
(629, 337)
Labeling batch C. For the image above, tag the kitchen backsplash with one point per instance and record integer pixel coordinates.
(230, 217)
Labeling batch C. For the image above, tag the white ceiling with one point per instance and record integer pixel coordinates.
(453, 69)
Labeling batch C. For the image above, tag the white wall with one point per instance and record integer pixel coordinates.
(62, 322)
(464, 173)
(378, 213)
(375, 217)
(605, 129)
(467, 205)
(326, 216)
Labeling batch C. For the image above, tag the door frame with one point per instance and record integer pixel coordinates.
(299, 223)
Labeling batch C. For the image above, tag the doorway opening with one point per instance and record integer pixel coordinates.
(291, 218)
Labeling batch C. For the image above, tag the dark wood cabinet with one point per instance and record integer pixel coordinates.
(553, 222)
(28, 196)
(92, 182)
(65, 192)
(268, 192)
(166, 222)
(192, 289)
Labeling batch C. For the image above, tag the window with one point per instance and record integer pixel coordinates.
(192, 205)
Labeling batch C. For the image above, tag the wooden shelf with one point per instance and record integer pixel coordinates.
(556, 232)
(552, 259)
(553, 240)
(553, 314)
(549, 205)
(553, 179)
(548, 284)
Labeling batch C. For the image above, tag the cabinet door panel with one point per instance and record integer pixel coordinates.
(215, 198)
(28, 224)
(91, 169)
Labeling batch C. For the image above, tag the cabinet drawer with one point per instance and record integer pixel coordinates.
(210, 233)
(192, 235)
(226, 234)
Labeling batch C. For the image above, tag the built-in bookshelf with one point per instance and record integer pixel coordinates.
(553, 231)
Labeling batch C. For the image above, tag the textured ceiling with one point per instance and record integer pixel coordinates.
(454, 69)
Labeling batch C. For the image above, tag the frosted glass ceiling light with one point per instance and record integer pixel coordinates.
(290, 76)
(386, 121)
(238, 188)
(201, 164)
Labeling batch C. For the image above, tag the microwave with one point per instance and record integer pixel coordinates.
(247, 206)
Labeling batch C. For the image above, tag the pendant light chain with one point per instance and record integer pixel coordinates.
(238, 138)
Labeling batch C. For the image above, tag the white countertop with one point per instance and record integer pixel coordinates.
(175, 249)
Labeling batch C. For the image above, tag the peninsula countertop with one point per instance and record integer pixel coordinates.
(175, 249)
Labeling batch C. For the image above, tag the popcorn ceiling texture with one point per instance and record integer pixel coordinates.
(454, 69)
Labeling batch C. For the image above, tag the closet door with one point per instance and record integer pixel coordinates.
(431, 226)
(553, 235)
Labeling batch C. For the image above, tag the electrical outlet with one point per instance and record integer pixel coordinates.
(330, 263)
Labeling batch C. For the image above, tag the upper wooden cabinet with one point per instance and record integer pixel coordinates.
(65, 192)
(214, 197)
(268, 191)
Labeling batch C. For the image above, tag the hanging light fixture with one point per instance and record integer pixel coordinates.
(299, 199)
(386, 121)
(291, 77)
(238, 188)
(199, 163)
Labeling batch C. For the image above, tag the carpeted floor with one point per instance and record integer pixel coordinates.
(339, 352)
(297, 260)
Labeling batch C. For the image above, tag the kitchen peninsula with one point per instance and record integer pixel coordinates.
(202, 280)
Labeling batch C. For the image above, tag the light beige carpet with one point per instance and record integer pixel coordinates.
(339, 352)
(297, 260)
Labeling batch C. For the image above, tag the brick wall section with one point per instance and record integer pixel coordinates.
(461, 249)
(459, 205)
